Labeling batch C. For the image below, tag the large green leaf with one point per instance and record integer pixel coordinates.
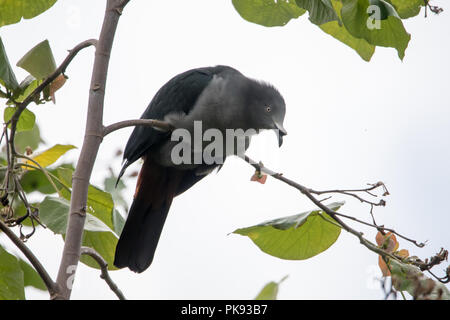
(7, 77)
(11, 277)
(320, 11)
(270, 291)
(30, 277)
(39, 61)
(296, 237)
(54, 212)
(407, 8)
(334, 29)
(268, 13)
(12, 11)
(387, 32)
(26, 119)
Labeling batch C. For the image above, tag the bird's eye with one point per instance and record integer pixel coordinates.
(268, 109)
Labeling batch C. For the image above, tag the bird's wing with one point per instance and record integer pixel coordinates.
(177, 95)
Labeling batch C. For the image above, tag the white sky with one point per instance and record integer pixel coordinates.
(349, 123)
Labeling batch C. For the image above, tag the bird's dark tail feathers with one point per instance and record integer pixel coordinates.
(156, 187)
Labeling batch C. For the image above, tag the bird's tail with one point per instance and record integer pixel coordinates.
(155, 189)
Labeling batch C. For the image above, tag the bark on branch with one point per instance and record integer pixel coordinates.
(157, 124)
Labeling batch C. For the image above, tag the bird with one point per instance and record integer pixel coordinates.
(219, 98)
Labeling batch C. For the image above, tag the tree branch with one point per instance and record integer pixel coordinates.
(92, 139)
(309, 193)
(157, 124)
(427, 265)
(333, 214)
(104, 269)
(51, 286)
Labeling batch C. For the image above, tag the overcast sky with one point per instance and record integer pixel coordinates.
(349, 123)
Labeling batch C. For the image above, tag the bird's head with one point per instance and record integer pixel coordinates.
(267, 108)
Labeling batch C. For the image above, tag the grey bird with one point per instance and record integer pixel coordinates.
(218, 98)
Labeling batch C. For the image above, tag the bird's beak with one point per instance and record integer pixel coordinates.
(281, 131)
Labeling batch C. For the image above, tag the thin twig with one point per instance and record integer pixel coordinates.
(382, 228)
(434, 9)
(42, 169)
(104, 269)
(352, 193)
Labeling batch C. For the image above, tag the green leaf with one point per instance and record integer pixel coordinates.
(296, 237)
(7, 76)
(268, 13)
(99, 203)
(11, 277)
(27, 86)
(12, 11)
(270, 291)
(36, 180)
(385, 9)
(54, 212)
(116, 192)
(364, 49)
(388, 32)
(104, 243)
(39, 61)
(65, 175)
(30, 277)
(26, 119)
(320, 11)
(118, 222)
(51, 155)
(30, 138)
(407, 8)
